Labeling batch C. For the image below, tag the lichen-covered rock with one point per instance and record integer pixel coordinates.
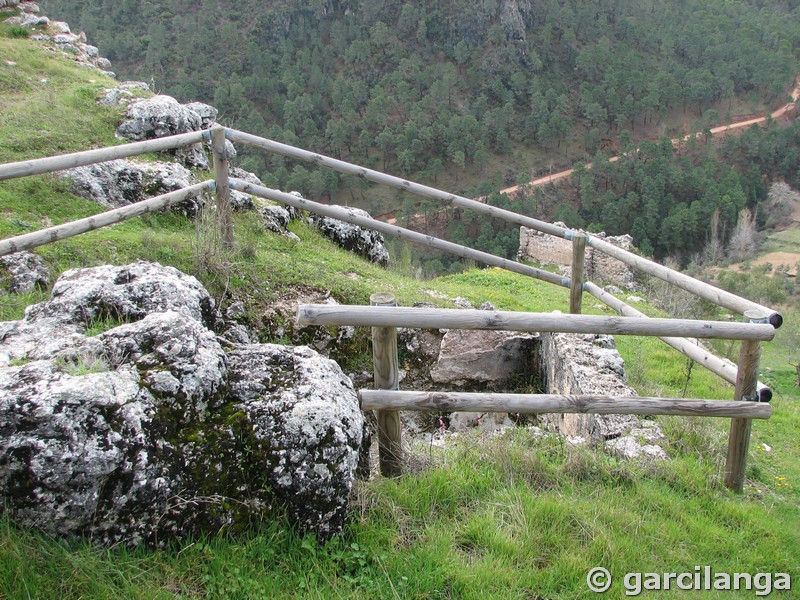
(305, 409)
(177, 358)
(156, 117)
(23, 272)
(639, 442)
(237, 173)
(460, 302)
(119, 182)
(127, 293)
(76, 453)
(152, 430)
(122, 93)
(240, 200)
(113, 184)
(99, 453)
(161, 116)
(207, 113)
(366, 243)
(276, 218)
(28, 20)
(83, 297)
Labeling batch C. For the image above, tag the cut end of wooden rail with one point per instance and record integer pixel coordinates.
(765, 394)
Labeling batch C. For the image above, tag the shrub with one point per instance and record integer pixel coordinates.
(17, 31)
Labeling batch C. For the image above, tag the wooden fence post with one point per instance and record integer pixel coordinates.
(576, 284)
(746, 389)
(223, 186)
(386, 377)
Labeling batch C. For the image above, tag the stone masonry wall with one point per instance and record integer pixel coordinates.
(575, 364)
(549, 249)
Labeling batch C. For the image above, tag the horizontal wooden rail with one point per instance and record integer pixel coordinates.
(79, 159)
(442, 318)
(67, 230)
(699, 288)
(395, 182)
(398, 232)
(552, 403)
(690, 284)
(724, 369)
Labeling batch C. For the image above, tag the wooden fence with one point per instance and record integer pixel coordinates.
(384, 317)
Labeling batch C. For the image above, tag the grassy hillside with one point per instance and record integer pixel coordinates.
(510, 516)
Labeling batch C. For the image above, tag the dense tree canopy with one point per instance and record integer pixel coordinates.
(421, 88)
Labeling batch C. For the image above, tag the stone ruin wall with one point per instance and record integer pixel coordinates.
(549, 249)
(564, 364)
(576, 364)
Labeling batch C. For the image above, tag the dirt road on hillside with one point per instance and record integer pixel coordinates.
(776, 114)
(391, 218)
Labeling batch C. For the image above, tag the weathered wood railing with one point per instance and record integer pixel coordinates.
(384, 317)
(672, 332)
(699, 288)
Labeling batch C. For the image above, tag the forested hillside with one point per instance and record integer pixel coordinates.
(472, 95)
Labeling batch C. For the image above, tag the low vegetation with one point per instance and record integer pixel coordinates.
(508, 516)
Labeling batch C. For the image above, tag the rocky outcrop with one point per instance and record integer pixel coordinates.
(119, 182)
(548, 249)
(58, 36)
(305, 413)
(157, 428)
(161, 116)
(364, 242)
(206, 112)
(276, 218)
(158, 116)
(23, 272)
(125, 92)
(512, 20)
(480, 357)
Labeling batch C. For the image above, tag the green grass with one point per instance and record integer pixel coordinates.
(47, 104)
(508, 516)
(787, 240)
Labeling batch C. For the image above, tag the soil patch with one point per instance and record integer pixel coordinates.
(791, 259)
